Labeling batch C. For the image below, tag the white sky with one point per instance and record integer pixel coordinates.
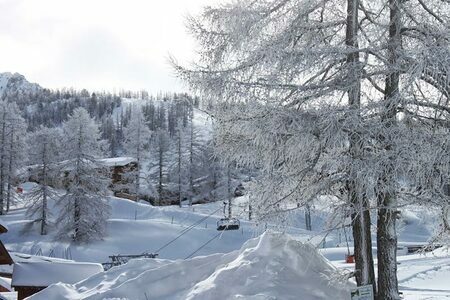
(97, 44)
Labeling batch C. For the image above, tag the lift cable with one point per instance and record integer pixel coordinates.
(209, 241)
(186, 230)
(202, 246)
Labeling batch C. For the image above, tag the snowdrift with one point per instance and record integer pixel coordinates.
(272, 266)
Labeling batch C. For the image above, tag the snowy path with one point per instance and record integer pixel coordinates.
(425, 278)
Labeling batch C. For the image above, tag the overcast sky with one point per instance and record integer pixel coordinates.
(97, 44)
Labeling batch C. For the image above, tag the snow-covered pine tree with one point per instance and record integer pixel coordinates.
(12, 154)
(179, 166)
(195, 153)
(411, 156)
(44, 151)
(83, 208)
(136, 140)
(158, 167)
(283, 72)
(283, 79)
(360, 213)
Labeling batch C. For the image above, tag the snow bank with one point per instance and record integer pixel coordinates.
(46, 273)
(273, 266)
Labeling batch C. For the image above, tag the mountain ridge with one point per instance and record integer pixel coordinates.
(16, 83)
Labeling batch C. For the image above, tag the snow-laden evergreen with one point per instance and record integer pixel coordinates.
(83, 210)
(324, 102)
(137, 138)
(44, 151)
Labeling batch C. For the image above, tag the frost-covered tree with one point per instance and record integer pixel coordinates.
(137, 136)
(325, 103)
(12, 139)
(44, 152)
(83, 207)
(158, 167)
(179, 166)
(195, 150)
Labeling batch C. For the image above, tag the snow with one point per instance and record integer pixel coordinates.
(5, 282)
(272, 266)
(46, 273)
(25, 258)
(8, 296)
(134, 228)
(116, 161)
(16, 83)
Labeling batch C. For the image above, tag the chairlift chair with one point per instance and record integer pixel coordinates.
(228, 224)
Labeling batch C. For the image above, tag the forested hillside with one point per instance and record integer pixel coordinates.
(168, 134)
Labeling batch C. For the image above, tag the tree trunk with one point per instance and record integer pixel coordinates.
(160, 167)
(137, 178)
(364, 268)
(229, 191)
(10, 165)
(191, 163)
(386, 234)
(44, 192)
(179, 166)
(77, 208)
(2, 160)
(308, 217)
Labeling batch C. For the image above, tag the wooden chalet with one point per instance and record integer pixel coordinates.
(3, 227)
(5, 258)
(119, 169)
(31, 277)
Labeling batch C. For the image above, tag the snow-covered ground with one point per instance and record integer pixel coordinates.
(134, 228)
(273, 266)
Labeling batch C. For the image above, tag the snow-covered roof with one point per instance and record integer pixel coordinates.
(117, 161)
(3, 226)
(5, 282)
(43, 274)
(22, 257)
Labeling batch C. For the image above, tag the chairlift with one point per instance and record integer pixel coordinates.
(228, 224)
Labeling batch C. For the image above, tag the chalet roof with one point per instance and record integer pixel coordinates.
(22, 257)
(67, 165)
(3, 227)
(43, 274)
(5, 282)
(117, 161)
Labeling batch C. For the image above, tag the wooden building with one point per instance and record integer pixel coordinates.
(5, 258)
(31, 277)
(121, 171)
(3, 227)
